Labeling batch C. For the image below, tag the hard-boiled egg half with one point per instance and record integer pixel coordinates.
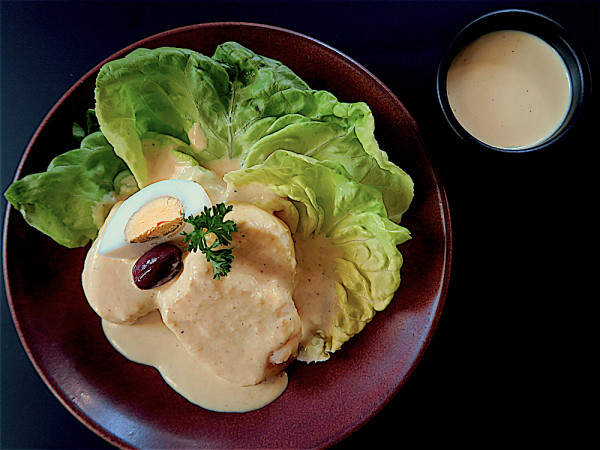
(151, 216)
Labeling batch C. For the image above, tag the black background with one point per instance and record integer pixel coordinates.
(511, 358)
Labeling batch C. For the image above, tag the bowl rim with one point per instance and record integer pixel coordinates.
(542, 26)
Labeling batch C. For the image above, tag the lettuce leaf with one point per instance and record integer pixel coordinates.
(70, 201)
(353, 217)
(242, 105)
(164, 91)
(179, 108)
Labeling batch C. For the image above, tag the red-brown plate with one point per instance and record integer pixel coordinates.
(128, 404)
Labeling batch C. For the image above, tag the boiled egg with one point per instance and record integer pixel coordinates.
(151, 216)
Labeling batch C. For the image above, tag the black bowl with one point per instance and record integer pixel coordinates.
(541, 26)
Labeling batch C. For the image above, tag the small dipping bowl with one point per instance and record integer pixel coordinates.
(511, 81)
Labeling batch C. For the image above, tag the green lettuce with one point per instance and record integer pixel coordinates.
(353, 217)
(243, 106)
(70, 201)
(179, 110)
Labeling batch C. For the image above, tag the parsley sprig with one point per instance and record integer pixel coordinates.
(211, 221)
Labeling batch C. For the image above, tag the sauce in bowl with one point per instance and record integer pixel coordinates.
(509, 89)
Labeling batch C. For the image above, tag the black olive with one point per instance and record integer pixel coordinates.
(157, 266)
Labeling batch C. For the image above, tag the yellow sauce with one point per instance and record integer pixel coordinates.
(278, 296)
(150, 342)
(509, 89)
(221, 344)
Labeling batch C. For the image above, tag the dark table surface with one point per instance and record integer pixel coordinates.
(510, 359)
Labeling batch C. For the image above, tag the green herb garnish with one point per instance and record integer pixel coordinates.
(211, 221)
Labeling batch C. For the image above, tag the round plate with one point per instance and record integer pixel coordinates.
(129, 404)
